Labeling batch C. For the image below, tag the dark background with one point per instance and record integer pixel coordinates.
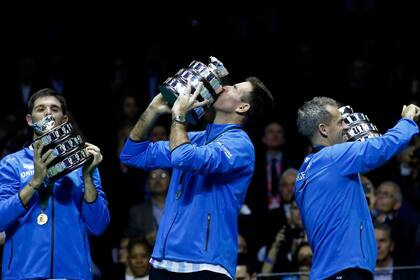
(300, 49)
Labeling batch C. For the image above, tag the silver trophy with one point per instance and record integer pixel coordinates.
(210, 75)
(67, 146)
(359, 126)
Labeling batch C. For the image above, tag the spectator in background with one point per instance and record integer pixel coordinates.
(303, 259)
(128, 117)
(278, 218)
(385, 262)
(403, 219)
(139, 251)
(369, 190)
(120, 268)
(159, 133)
(408, 176)
(264, 192)
(242, 245)
(145, 217)
(280, 257)
(245, 268)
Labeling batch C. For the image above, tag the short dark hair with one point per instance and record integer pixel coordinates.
(260, 99)
(312, 113)
(387, 228)
(139, 241)
(46, 92)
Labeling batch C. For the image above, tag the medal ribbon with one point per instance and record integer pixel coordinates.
(44, 195)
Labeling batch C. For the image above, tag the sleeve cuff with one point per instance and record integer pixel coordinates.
(180, 145)
(93, 201)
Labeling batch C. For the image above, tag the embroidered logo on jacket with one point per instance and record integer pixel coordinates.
(29, 170)
(225, 150)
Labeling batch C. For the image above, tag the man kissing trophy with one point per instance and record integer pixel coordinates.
(210, 75)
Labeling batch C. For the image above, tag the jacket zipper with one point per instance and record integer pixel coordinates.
(208, 231)
(177, 196)
(52, 234)
(167, 235)
(361, 240)
(11, 257)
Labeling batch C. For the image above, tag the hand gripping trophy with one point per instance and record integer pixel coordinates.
(67, 145)
(210, 75)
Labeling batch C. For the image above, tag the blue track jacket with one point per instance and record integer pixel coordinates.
(59, 248)
(333, 205)
(209, 181)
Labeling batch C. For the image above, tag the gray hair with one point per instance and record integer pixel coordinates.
(312, 113)
(397, 190)
(289, 171)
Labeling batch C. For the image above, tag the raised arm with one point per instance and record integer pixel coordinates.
(138, 151)
(359, 157)
(146, 122)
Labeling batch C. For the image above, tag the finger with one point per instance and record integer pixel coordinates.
(36, 145)
(197, 91)
(45, 156)
(50, 159)
(97, 158)
(92, 152)
(38, 149)
(202, 103)
(188, 88)
(92, 147)
(96, 153)
(95, 149)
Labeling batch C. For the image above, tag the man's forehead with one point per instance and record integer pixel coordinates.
(46, 100)
(333, 111)
(244, 86)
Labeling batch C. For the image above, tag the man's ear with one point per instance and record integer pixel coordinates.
(322, 128)
(65, 118)
(29, 119)
(243, 108)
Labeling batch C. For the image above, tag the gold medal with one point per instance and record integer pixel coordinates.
(42, 219)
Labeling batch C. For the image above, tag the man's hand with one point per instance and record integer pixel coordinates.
(146, 122)
(410, 112)
(40, 164)
(159, 106)
(186, 102)
(97, 158)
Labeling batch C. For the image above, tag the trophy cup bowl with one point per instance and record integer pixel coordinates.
(359, 127)
(210, 75)
(68, 149)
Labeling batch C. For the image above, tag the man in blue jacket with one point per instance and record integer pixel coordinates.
(329, 192)
(197, 236)
(48, 227)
